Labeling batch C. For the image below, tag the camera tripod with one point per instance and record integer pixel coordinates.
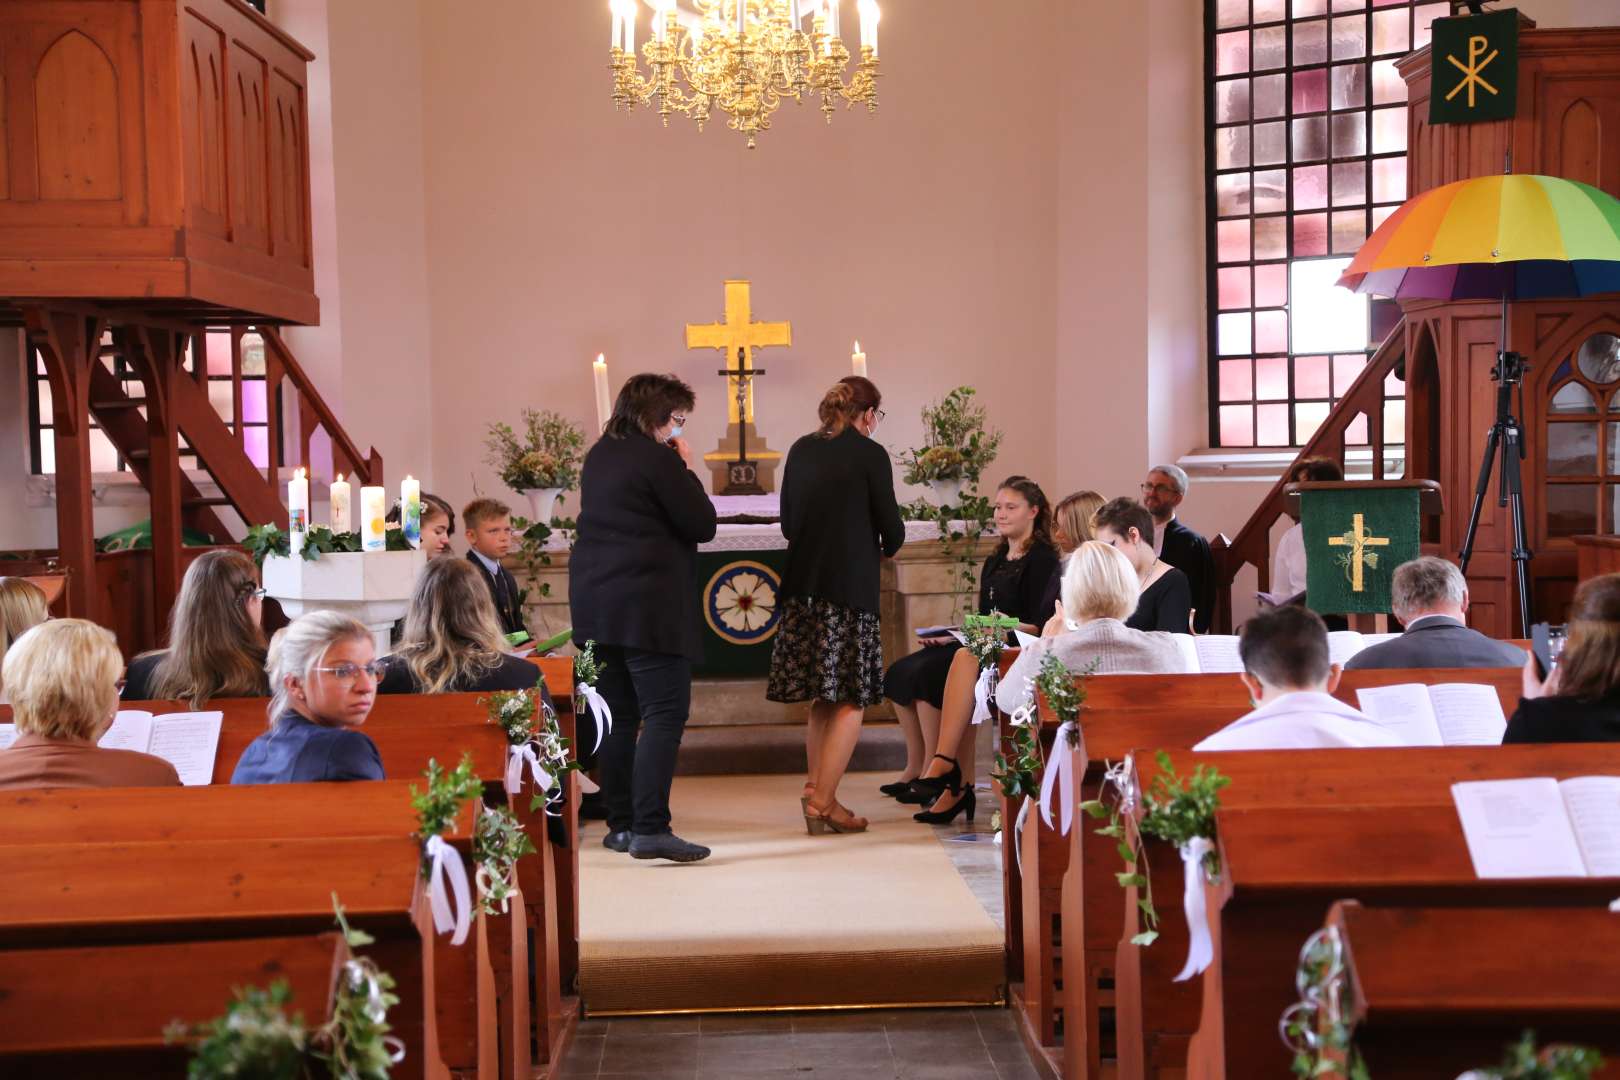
(1507, 437)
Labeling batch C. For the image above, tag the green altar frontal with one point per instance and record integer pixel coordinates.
(739, 596)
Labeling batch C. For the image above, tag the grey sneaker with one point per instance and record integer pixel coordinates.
(666, 846)
(617, 841)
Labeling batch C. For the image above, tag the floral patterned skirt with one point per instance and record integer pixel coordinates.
(826, 652)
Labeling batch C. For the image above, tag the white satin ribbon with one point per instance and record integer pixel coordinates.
(599, 711)
(1058, 778)
(516, 757)
(360, 975)
(1200, 949)
(1120, 777)
(981, 694)
(446, 867)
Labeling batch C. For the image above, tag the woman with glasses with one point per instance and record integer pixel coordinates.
(453, 641)
(1165, 601)
(216, 647)
(840, 518)
(324, 673)
(633, 589)
(63, 680)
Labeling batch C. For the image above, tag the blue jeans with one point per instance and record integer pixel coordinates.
(650, 694)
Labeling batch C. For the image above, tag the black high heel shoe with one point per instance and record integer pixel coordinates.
(896, 789)
(968, 802)
(925, 789)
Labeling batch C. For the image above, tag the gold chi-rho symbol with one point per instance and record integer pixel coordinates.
(1358, 540)
(1477, 44)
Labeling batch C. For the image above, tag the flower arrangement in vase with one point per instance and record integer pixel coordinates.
(540, 464)
(956, 448)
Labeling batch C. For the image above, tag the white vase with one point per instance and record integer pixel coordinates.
(542, 501)
(947, 492)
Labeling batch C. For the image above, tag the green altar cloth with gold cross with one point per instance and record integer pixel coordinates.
(1355, 537)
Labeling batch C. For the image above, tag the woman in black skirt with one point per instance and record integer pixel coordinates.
(1013, 581)
(839, 516)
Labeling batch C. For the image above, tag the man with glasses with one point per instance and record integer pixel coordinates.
(1181, 547)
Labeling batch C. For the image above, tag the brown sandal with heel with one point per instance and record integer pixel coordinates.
(835, 818)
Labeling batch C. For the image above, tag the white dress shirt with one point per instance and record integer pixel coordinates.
(1303, 720)
(1158, 536)
(1288, 564)
(490, 564)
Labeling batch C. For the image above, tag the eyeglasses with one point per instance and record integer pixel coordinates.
(1163, 489)
(119, 686)
(678, 419)
(880, 415)
(258, 594)
(347, 672)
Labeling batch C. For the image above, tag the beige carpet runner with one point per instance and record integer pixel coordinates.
(776, 918)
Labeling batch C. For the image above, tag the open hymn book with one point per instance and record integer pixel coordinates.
(1218, 653)
(189, 741)
(1539, 827)
(1445, 714)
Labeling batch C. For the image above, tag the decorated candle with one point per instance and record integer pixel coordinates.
(373, 522)
(297, 510)
(859, 360)
(604, 401)
(410, 510)
(341, 506)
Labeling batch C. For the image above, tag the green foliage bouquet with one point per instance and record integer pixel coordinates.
(956, 444)
(547, 455)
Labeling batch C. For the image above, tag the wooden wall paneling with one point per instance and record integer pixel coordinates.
(289, 170)
(249, 137)
(5, 108)
(1577, 111)
(202, 129)
(75, 92)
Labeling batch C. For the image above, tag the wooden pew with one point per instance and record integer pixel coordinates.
(1072, 919)
(1155, 1017)
(1425, 1000)
(559, 673)
(1281, 871)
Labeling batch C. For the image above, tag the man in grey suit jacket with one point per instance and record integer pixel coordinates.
(1430, 597)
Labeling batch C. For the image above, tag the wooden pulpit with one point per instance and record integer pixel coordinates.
(1356, 533)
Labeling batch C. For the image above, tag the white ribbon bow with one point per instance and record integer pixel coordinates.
(1200, 949)
(981, 694)
(361, 976)
(1059, 778)
(515, 759)
(446, 866)
(599, 711)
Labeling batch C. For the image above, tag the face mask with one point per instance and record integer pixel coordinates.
(675, 432)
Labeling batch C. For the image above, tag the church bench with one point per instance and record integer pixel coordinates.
(1282, 869)
(1425, 1000)
(1076, 914)
(1155, 1016)
(66, 1018)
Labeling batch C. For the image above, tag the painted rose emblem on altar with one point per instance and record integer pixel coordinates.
(740, 602)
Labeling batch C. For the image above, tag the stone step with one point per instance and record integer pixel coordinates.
(712, 750)
(740, 702)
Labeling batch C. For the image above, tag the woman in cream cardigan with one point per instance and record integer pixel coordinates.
(1099, 593)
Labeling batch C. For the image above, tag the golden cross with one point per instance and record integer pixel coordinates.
(1477, 44)
(1358, 540)
(739, 330)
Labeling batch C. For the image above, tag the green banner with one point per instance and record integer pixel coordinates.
(1475, 68)
(1354, 540)
(739, 600)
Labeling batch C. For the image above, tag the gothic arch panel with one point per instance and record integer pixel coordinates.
(1580, 143)
(77, 122)
(5, 162)
(203, 122)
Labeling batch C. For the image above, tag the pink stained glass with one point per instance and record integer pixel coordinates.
(1389, 131)
(1270, 192)
(219, 353)
(1349, 86)
(43, 390)
(1270, 96)
(1350, 184)
(253, 401)
(1233, 333)
(1237, 425)
(1349, 5)
(1308, 416)
(1271, 238)
(1231, 101)
(1271, 285)
(1392, 32)
(1310, 91)
(1232, 147)
(1271, 425)
(1270, 48)
(1232, 241)
(1232, 194)
(1231, 13)
(1237, 380)
(1270, 10)
(1423, 19)
(1381, 214)
(1232, 287)
(1388, 86)
(1232, 52)
(103, 454)
(1355, 433)
(1271, 378)
(1349, 36)
(1389, 180)
(1270, 331)
(1304, 9)
(1349, 230)
(1270, 143)
(256, 441)
(1310, 235)
(1345, 369)
(1311, 377)
(1395, 420)
(1393, 386)
(1350, 135)
(1309, 138)
(219, 396)
(1310, 188)
(47, 453)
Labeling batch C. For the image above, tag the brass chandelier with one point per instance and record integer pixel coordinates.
(743, 57)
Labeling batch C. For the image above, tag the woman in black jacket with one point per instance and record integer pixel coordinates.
(633, 590)
(1580, 701)
(840, 517)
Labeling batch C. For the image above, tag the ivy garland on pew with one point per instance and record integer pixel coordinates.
(262, 541)
(1314, 1027)
(1524, 1062)
(256, 1038)
(529, 723)
(447, 792)
(498, 843)
(1175, 810)
(986, 639)
(1065, 694)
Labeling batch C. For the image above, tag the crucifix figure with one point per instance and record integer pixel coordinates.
(1358, 540)
(742, 463)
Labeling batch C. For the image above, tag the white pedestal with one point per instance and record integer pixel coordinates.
(374, 588)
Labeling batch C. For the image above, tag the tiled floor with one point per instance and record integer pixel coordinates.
(901, 1044)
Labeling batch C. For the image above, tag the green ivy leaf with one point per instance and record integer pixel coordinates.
(1146, 937)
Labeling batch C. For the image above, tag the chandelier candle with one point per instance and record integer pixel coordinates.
(373, 523)
(604, 400)
(340, 498)
(297, 510)
(410, 510)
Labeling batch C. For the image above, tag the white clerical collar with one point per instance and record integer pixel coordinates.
(490, 564)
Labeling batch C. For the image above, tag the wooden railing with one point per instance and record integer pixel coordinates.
(1253, 544)
(313, 412)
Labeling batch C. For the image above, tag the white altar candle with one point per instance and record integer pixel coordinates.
(604, 401)
(373, 523)
(342, 495)
(410, 510)
(833, 26)
(859, 360)
(297, 510)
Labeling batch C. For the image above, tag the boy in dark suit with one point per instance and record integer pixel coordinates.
(489, 540)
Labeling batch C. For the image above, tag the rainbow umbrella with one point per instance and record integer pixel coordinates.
(1494, 238)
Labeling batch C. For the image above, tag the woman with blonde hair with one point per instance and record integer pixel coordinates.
(63, 680)
(1579, 701)
(453, 640)
(22, 607)
(216, 647)
(325, 681)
